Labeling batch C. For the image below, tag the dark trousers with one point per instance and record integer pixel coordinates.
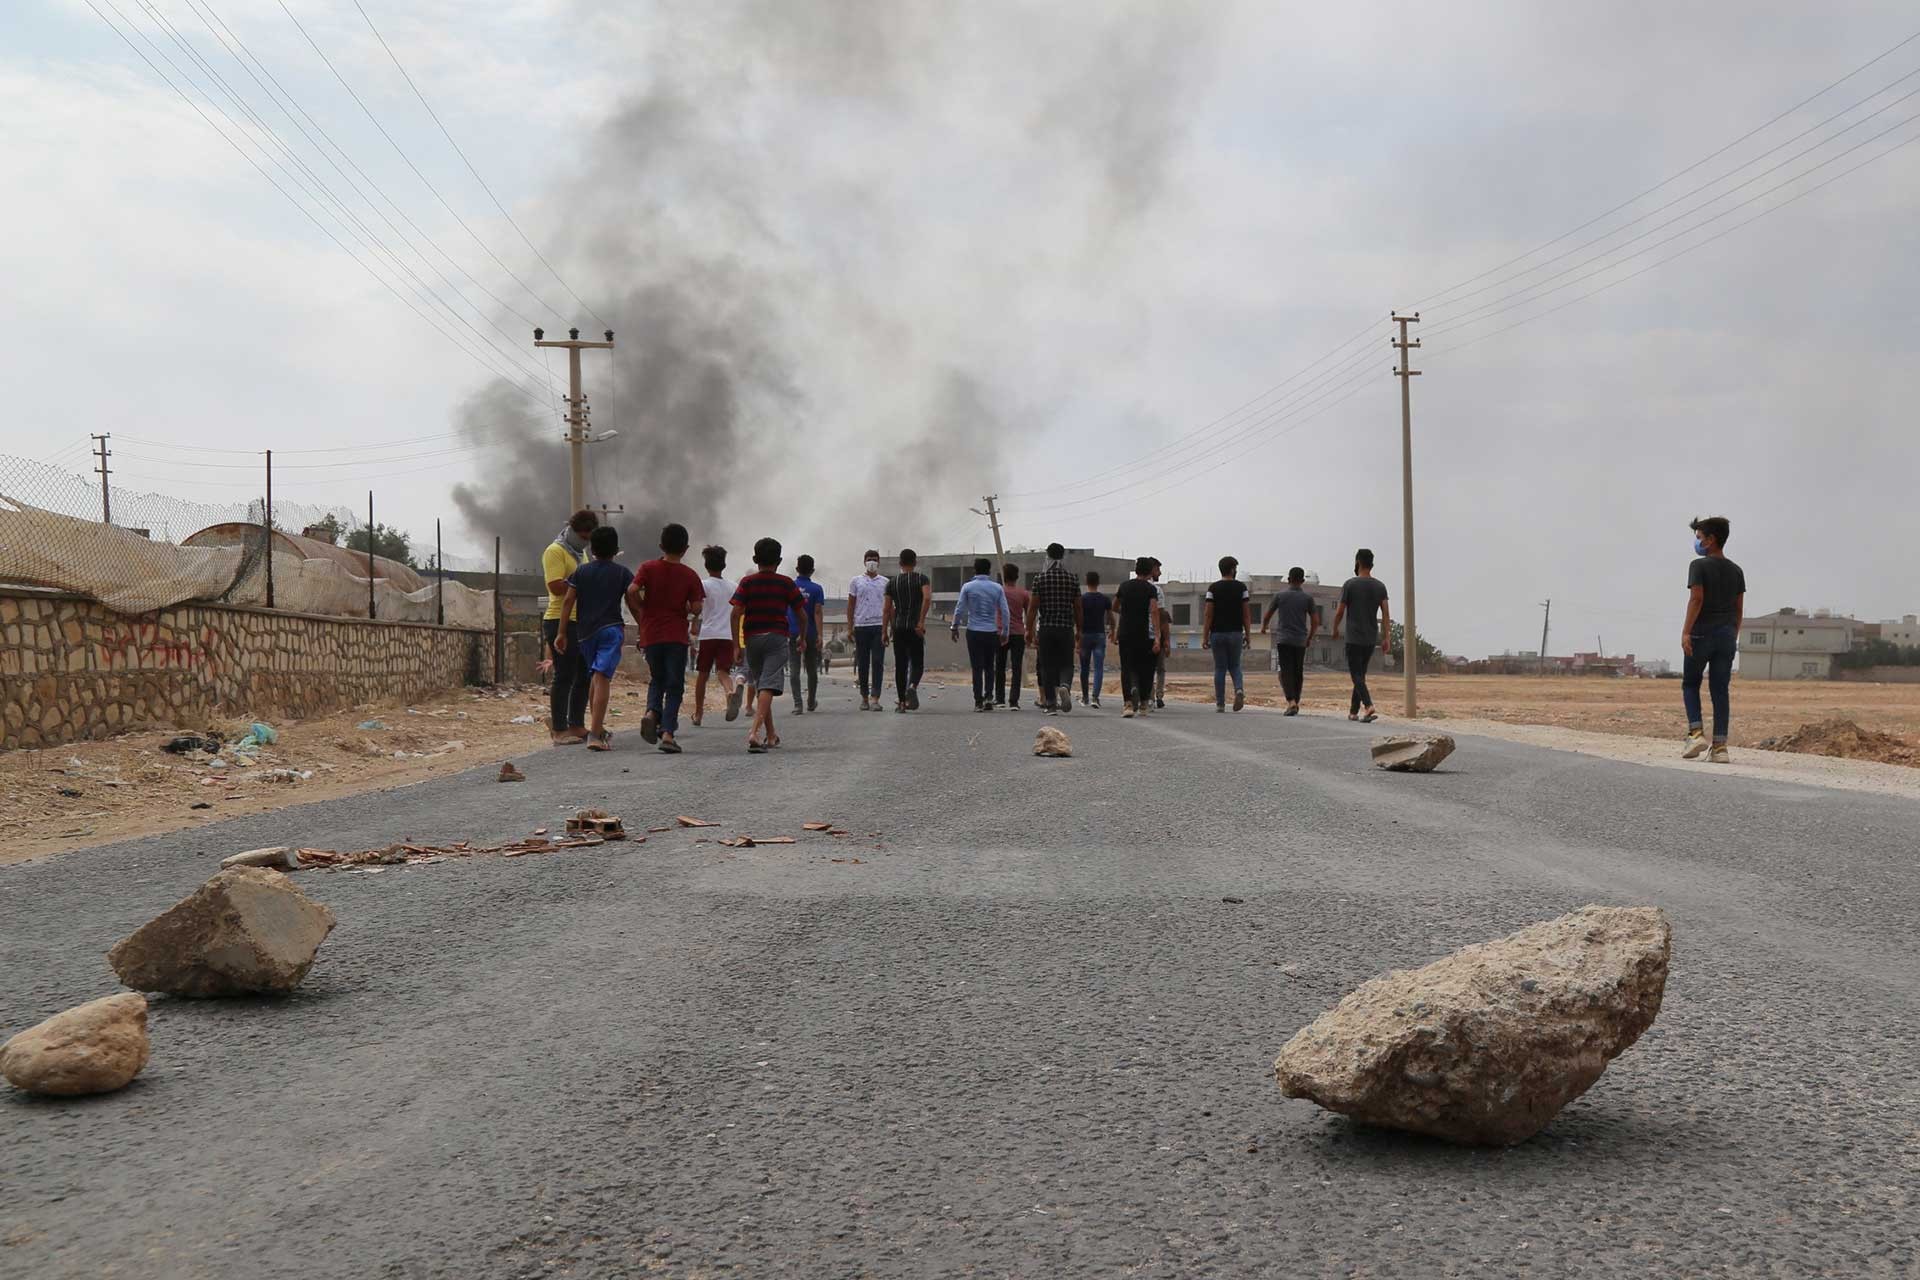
(982, 648)
(666, 683)
(869, 660)
(909, 660)
(1093, 664)
(1293, 669)
(1712, 656)
(1053, 663)
(1359, 658)
(804, 658)
(1136, 670)
(567, 704)
(1013, 658)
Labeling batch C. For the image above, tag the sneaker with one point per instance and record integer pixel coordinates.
(863, 704)
(1220, 706)
(1718, 755)
(733, 701)
(1160, 704)
(1128, 713)
(913, 697)
(1239, 699)
(650, 728)
(1065, 700)
(1096, 699)
(1696, 745)
(813, 703)
(1291, 711)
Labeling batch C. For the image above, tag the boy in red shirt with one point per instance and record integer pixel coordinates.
(760, 605)
(670, 597)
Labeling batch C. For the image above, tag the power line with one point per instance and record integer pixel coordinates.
(309, 466)
(1677, 176)
(470, 169)
(342, 448)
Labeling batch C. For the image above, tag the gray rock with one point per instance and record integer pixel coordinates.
(1411, 752)
(246, 931)
(1485, 1046)
(275, 858)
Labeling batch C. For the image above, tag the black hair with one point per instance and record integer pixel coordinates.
(1056, 552)
(1717, 526)
(871, 554)
(1296, 575)
(766, 552)
(1363, 558)
(1093, 579)
(674, 540)
(803, 565)
(1143, 566)
(584, 521)
(908, 558)
(1227, 565)
(716, 558)
(982, 565)
(605, 542)
(1010, 572)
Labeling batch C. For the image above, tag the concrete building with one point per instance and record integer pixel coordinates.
(1905, 633)
(1792, 645)
(948, 571)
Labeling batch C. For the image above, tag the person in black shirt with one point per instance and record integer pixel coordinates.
(1225, 629)
(1096, 615)
(909, 597)
(1716, 606)
(1135, 604)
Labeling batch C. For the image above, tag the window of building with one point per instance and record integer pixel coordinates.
(946, 578)
(1182, 615)
(1757, 637)
(1809, 668)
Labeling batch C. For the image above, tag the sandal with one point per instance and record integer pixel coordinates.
(669, 748)
(755, 748)
(1369, 718)
(602, 743)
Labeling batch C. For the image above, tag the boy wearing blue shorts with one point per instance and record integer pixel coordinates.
(595, 590)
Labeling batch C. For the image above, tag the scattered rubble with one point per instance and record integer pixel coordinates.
(273, 857)
(1486, 1046)
(1411, 752)
(685, 821)
(246, 931)
(95, 1047)
(816, 826)
(1052, 742)
(191, 742)
(1845, 740)
(596, 822)
(510, 772)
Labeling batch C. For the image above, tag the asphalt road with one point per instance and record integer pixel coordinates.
(1022, 1035)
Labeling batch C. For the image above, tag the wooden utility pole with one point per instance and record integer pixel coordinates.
(439, 577)
(1410, 636)
(100, 452)
(992, 513)
(1545, 622)
(498, 641)
(268, 530)
(576, 407)
(370, 604)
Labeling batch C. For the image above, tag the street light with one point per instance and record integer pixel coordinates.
(604, 435)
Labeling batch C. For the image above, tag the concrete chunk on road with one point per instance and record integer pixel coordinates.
(95, 1047)
(1411, 752)
(247, 931)
(1052, 742)
(1486, 1046)
(273, 858)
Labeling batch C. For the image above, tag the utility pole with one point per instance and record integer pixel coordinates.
(607, 513)
(992, 513)
(576, 406)
(1410, 636)
(100, 452)
(1545, 622)
(267, 532)
(371, 613)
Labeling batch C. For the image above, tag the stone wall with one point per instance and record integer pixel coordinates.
(70, 668)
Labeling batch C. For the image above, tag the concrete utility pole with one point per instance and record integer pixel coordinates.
(992, 513)
(1410, 646)
(1545, 622)
(576, 406)
(106, 502)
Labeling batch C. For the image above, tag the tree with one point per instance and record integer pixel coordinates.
(1428, 653)
(387, 541)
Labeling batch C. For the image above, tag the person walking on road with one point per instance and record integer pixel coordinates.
(1162, 641)
(762, 605)
(867, 623)
(671, 600)
(905, 626)
(1363, 605)
(1053, 627)
(715, 650)
(567, 704)
(1096, 628)
(1710, 637)
(982, 609)
(1226, 627)
(1013, 655)
(1134, 605)
(594, 593)
(1299, 621)
(803, 629)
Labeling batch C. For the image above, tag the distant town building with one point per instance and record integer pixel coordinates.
(1791, 645)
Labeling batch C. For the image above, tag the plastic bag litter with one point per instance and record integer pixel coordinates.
(264, 734)
(523, 720)
(371, 724)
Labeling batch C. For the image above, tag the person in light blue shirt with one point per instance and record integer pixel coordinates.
(982, 609)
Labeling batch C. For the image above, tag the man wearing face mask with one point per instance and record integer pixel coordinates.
(1716, 606)
(567, 707)
(866, 619)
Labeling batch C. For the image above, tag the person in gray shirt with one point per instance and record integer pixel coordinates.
(1299, 621)
(1363, 605)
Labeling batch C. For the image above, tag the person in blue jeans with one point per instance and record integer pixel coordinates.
(982, 610)
(1716, 606)
(1096, 629)
(1225, 628)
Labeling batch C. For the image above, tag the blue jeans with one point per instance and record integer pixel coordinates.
(666, 682)
(982, 648)
(1713, 653)
(869, 660)
(1227, 647)
(1093, 664)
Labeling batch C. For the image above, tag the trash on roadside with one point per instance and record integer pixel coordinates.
(596, 822)
(515, 720)
(200, 804)
(370, 724)
(283, 775)
(190, 742)
(264, 734)
(509, 772)
(72, 793)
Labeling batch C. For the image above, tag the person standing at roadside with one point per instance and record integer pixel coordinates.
(1162, 641)
(715, 650)
(1134, 606)
(1363, 605)
(1299, 621)
(1096, 628)
(1226, 625)
(670, 605)
(1710, 637)
(1053, 627)
(867, 624)
(982, 609)
(567, 705)
(803, 628)
(1014, 653)
(762, 605)
(905, 625)
(594, 593)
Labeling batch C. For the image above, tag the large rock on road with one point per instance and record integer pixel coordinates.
(245, 932)
(1487, 1045)
(1411, 752)
(95, 1047)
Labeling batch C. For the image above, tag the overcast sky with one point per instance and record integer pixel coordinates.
(870, 260)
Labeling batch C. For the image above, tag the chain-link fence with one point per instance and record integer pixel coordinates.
(136, 552)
